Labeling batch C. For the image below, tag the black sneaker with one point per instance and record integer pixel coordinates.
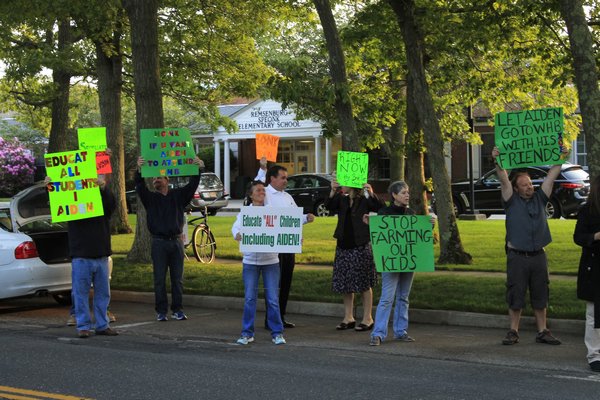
(595, 366)
(512, 337)
(546, 337)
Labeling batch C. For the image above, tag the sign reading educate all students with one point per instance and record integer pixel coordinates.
(529, 138)
(94, 140)
(167, 152)
(266, 146)
(271, 229)
(74, 192)
(402, 243)
(352, 168)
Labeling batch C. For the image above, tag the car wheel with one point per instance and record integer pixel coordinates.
(321, 210)
(63, 299)
(552, 209)
(212, 212)
(456, 207)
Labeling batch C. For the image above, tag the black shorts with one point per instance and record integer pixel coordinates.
(524, 272)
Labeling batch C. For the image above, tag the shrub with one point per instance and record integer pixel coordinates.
(16, 166)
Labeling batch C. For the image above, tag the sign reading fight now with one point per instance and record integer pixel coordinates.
(271, 230)
(402, 243)
(529, 138)
(352, 168)
(167, 152)
(74, 192)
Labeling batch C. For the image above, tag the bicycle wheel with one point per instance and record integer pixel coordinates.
(203, 244)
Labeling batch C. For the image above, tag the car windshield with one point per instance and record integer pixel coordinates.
(575, 174)
(209, 182)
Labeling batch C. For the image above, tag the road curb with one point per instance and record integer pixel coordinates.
(436, 317)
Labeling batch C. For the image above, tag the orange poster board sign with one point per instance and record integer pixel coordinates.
(266, 146)
(103, 163)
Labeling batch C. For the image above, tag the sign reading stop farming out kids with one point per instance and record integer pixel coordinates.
(402, 243)
(530, 137)
(94, 140)
(352, 168)
(74, 192)
(266, 146)
(167, 152)
(271, 229)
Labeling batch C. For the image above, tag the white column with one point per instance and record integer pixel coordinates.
(226, 168)
(327, 156)
(318, 154)
(217, 158)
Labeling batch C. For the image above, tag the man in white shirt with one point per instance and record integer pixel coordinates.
(276, 177)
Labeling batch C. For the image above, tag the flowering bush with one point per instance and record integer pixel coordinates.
(16, 166)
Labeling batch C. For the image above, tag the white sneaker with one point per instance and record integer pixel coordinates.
(71, 321)
(279, 339)
(244, 340)
(111, 317)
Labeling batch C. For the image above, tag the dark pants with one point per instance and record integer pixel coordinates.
(167, 254)
(286, 263)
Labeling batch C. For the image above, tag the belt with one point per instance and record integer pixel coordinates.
(165, 237)
(527, 253)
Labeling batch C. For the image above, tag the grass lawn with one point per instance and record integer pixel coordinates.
(483, 239)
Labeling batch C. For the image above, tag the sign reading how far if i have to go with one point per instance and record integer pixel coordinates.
(402, 243)
(74, 192)
(529, 138)
(352, 168)
(167, 152)
(271, 229)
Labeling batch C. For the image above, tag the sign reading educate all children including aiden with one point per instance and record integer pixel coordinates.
(352, 168)
(266, 146)
(94, 140)
(402, 243)
(271, 229)
(167, 152)
(530, 137)
(74, 192)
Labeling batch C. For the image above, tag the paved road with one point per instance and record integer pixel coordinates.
(198, 359)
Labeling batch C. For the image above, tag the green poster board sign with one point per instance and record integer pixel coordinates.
(92, 139)
(352, 168)
(402, 243)
(530, 137)
(167, 152)
(74, 192)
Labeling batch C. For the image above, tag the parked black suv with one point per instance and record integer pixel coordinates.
(570, 191)
(310, 191)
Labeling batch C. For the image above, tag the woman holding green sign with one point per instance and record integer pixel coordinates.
(396, 284)
(353, 266)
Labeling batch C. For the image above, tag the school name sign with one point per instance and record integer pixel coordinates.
(271, 229)
(530, 137)
(74, 192)
(167, 152)
(402, 243)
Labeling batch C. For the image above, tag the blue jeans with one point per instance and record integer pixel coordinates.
(251, 275)
(167, 254)
(86, 271)
(398, 284)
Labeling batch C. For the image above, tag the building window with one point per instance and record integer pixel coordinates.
(284, 152)
(581, 151)
(383, 168)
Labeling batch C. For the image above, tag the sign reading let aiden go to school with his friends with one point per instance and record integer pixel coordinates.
(529, 138)
(352, 168)
(271, 229)
(402, 243)
(74, 192)
(167, 152)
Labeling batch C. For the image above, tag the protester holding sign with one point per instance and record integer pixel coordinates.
(353, 266)
(276, 196)
(527, 234)
(253, 265)
(587, 235)
(165, 217)
(396, 284)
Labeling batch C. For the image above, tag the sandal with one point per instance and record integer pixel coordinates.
(343, 326)
(362, 327)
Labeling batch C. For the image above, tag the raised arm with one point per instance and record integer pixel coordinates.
(505, 186)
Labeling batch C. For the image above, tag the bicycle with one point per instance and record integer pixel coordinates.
(202, 240)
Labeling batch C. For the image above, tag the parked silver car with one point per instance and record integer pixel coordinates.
(34, 252)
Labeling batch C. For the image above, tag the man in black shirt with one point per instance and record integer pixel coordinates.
(165, 216)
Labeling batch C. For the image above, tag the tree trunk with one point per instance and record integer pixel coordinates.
(451, 248)
(337, 71)
(415, 173)
(586, 78)
(59, 135)
(110, 70)
(397, 151)
(143, 18)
